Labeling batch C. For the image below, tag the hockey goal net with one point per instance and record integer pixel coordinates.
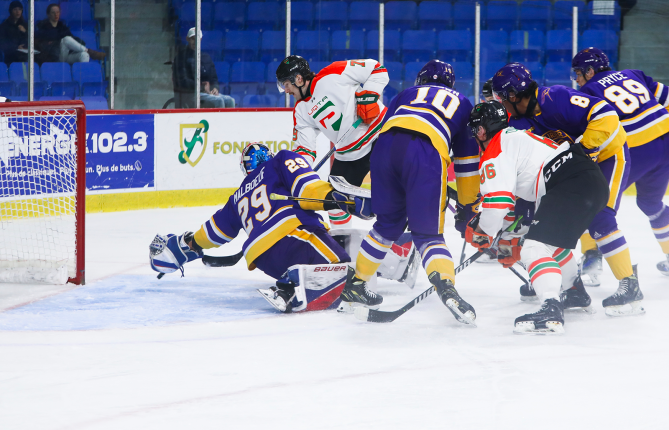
(42, 192)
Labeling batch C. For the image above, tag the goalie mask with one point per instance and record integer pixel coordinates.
(253, 156)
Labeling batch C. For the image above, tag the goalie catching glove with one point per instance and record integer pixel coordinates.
(169, 253)
(368, 105)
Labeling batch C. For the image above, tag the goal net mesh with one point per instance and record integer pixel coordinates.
(38, 195)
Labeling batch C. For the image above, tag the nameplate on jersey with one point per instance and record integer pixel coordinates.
(249, 186)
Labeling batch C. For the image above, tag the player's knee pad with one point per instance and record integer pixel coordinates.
(603, 224)
(534, 250)
(544, 271)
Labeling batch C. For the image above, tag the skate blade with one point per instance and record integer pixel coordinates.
(466, 318)
(350, 307)
(529, 299)
(269, 296)
(591, 280)
(587, 309)
(553, 328)
(628, 309)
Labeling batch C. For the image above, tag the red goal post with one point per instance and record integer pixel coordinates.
(42, 192)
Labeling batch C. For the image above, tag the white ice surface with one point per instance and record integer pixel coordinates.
(128, 351)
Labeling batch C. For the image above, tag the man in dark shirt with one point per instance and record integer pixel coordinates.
(14, 34)
(183, 77)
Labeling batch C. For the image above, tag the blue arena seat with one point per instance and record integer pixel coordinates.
(56, 72)
(187, 15)
(464, 86)
(502, 15)
(316, 66)
(246, 78)
(410, 72)
(241, 45)
(494, 46)
(463, 70)
(330, 16)
(537, 70)
(527, 45)
(390, 91)
(265, 100)
(230, 16)
(464, 16)
(40, 9)
(535, 15)
(18, 72)
(364, 15)
(6, 89)
(558, 45)
(347, 45)
(54, 98)
(75, 12)
(391, 45)
(212, 44)
(400, 15)
(395, 70)
(435, 15)
(4, 73)
(264, 16)
(455, 45)
(271, 71)
(38, 91)
(273, 46)
(606, 40)
(304, 20)
(563, 14)
(313, 45)
(88, 37)
(488, 69)
(95, 103)
(557, 73)
(89, 76)
(603, 16)
(418, 45)
(222, 71)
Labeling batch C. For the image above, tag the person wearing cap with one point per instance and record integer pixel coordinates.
(57, 43)
(14, 34)
(183, 77)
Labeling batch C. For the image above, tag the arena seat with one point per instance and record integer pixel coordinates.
(230, 16)
(241, 45)
(330, 16)
(606, 40)
(488, 69)
(95, 103)
(435, 15)
(304, 20)
(364, 15)
(410, 72)
(527, 45)
(89, 38)
(418, 45)
(187, 15)
(222, 72)
(273, 46)
(535, 15)
(212, 44)
(6, 89)
(246, 78)
(395, 70)
(313, 45)
(38, 91)
(391, 45)
(90, 79)
(494, 46)
(603, 16)
(75, 13)
(502, 15)
(464, 86)
(264, 16)
(455, 45)
(558, 45)
(464, 16)
(557, 73)
(347, 45)
(265, 100)
(537, 71)
(56, 72)
(400, 15)
(563, 14)
(463, 70)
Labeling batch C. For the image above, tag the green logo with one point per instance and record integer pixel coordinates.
(193, 141)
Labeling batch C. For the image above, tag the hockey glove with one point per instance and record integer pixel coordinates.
(509, 251)
(368, 106)
(361, 209)
(171, 252)
(464, 214)
(526, 210)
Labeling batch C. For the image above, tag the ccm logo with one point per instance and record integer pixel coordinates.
(556, 165)
(330, 269)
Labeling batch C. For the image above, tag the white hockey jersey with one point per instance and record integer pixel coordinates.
(512, 166)
(331, 109)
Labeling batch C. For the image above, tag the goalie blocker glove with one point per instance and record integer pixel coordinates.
(169, 253)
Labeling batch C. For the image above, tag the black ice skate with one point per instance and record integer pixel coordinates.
(663, 266)
(527, 293)
(590, 266)
(577, 298)
(280, 296)
(627, 300)
(356, 293)
(461, 310)
(548, 320)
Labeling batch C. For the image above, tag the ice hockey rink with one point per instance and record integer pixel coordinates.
(129, 351)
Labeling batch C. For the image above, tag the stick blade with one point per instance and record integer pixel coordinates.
(362, 313)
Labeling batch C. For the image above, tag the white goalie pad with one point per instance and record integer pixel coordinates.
(401, 263)
(340, 184)
(317, 286)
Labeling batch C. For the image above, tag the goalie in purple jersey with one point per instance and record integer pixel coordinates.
(280, 233)
(566, 115)
(642, 106)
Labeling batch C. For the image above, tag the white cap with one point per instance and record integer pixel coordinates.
(191, 33)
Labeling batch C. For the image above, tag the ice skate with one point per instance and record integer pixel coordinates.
(527, 293)
(548, 320)
(576, 298)
(411, 273)
(356, 293)
(663, 266)
(627, 300)
(279, 298)
(590, 266)
(461, 310)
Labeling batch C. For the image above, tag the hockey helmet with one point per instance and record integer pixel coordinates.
(514, 79)
(486, 91)
(492, 116)
(253, 156)
(289, 68)
(436, 72)
(589, 58)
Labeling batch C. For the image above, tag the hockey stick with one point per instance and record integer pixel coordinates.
(335, 147)
(274, 196)
(224, 261)
(371, 315)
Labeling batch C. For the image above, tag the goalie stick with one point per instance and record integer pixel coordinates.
(371, 315)
(223, 261)
(334, 148)
(274, 196)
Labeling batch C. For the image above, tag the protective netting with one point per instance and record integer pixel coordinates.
(38, 199)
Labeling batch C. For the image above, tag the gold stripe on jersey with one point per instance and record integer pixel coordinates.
(421, 125)
(315, 190)
(604, 133)
(616, 178)
(648, 132)
(316, 242)
(444, 195)
(265, 241)
(468, 188)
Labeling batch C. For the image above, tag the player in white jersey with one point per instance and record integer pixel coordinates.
(518, 164)
(331, 102)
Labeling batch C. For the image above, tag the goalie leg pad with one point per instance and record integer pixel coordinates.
(317, 286)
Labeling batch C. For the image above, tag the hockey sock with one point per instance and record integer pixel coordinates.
(565, 259)
(587, 242)
(544, 271)
(372, 251)
(435, 255)
(339, 217)
(617, 254)
(660, 225)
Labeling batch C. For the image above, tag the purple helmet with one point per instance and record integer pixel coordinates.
(438, 72)
(512, 79)
(589, 58)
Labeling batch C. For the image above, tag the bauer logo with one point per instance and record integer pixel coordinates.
(193, 142)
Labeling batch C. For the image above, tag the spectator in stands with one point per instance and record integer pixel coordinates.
(56, 42)
(14, 34)
(183, 77)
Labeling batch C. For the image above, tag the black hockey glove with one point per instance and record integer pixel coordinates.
(526, 210)
(463, 214)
